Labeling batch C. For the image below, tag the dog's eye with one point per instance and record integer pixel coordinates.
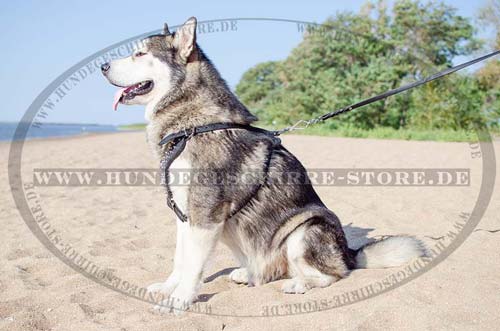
(138, 54)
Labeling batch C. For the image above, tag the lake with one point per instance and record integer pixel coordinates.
(48, 130)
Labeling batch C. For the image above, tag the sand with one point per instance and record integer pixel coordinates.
(130, 232)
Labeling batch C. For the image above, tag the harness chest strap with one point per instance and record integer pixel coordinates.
(177, 143)
(171, 154)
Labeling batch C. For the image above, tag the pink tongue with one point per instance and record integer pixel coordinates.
(118, 95)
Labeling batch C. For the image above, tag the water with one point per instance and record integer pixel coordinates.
(48, 130)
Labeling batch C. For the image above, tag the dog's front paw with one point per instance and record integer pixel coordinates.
(166, 287)
(239, 276)
(177, 303)
(295, 286)
(172, 305)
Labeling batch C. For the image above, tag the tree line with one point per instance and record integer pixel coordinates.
(353, 56)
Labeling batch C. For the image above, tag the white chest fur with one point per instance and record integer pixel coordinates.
(180, 180)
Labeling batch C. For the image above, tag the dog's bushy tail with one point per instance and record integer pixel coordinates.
(390, 252)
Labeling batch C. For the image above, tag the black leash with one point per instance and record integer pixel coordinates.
(176, 142)
(385, 95)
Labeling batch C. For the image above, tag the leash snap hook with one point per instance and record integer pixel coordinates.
(189, 133)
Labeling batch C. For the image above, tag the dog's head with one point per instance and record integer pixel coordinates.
(153, 69)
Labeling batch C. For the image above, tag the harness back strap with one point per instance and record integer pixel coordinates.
(176, 143)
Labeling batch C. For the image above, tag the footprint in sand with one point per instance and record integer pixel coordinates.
(138, 244)
(30, 282)
(17, 254)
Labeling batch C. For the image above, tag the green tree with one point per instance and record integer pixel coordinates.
(354, 56)
(448, 104)
(489, 74)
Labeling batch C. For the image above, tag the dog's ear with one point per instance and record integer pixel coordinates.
(166, 31)
(185, 39)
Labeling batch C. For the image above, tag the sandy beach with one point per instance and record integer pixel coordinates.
(129, 231)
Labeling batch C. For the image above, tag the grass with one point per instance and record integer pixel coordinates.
(377, 133)
(390, 133)
(132, 127)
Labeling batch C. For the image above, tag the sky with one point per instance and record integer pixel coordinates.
(42, 39)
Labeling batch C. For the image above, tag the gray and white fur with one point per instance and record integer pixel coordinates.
(279, 231)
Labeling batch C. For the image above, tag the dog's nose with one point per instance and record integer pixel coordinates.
(105, 67)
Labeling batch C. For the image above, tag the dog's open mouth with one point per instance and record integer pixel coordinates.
(130, 92)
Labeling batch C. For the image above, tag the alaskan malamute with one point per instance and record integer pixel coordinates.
(275, 230)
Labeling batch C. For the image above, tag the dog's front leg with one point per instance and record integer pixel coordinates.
(198, 243)
(173, 280)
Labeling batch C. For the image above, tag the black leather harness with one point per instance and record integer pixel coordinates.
(176, 142)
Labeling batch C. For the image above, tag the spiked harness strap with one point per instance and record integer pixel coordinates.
(176, 142)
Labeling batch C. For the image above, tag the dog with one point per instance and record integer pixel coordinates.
(275, 230)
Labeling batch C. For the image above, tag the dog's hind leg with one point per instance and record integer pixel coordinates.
(239, 275)
(199, 242)
(314, 259)
(172, 281)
